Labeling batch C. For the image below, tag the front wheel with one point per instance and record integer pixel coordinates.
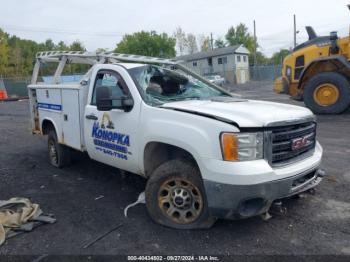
(327, 93)
(175, 196)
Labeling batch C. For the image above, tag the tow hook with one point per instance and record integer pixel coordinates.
(266, 216)
(276, 208)
(321, 173)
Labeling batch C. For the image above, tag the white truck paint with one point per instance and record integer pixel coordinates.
(194, 128)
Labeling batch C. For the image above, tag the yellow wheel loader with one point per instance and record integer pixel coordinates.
(318, 72)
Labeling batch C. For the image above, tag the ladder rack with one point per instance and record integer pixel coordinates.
(93, 58)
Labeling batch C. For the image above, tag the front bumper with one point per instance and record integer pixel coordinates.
(242, 201)
(248, 188)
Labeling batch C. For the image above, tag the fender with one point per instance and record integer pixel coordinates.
(55, 126)
(177, 129)
(337, 60)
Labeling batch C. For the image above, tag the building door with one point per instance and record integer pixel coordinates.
(243, 77)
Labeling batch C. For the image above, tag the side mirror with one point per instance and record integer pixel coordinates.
(103, 99)
(127, 103)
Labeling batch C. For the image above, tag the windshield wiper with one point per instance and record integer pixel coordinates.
(184, 98)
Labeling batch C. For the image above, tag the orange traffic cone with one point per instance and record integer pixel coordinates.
(3, 94)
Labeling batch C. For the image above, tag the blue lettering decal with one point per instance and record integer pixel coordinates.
(94, 129)
(50, 106)
(126, 141)
(111, 143)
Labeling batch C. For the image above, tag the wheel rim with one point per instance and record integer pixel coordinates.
(180, 200)
(326, 94)
(53, 153)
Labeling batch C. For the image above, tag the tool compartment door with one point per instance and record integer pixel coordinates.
(71, 118)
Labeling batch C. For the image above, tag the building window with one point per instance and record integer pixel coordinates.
(210, 61)
(238, 58)
(222, 60)
(244, 58)
(194, 64)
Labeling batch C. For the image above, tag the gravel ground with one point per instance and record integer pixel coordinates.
(314, 225)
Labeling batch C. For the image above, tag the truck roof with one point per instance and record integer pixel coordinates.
(130, 65)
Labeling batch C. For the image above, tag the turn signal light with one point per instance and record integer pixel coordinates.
(229, 147)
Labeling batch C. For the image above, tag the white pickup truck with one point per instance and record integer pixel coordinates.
(206, 153)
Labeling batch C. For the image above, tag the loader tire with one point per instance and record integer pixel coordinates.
(59, 155)
(327, 93)
(175, 196)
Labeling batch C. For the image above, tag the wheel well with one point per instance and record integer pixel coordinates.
(157, 153)
(47, 125)
(330, 65)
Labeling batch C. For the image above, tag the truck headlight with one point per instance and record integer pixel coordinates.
(242, 146)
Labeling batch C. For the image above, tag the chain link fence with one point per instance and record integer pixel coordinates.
(15, 87)
(265, 72)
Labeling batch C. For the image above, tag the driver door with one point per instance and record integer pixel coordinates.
(110, 136)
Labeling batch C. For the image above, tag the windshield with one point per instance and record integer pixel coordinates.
(160, 85)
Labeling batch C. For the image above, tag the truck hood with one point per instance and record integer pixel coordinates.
(244, 113)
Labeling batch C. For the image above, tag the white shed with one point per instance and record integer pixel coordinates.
(231, 62)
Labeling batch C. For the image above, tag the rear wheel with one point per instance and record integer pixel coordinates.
(59, 155)
(175, 196)
(327, 93)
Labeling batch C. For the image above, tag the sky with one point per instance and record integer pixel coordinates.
(101, 24)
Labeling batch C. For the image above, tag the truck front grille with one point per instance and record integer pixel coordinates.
(292, 142)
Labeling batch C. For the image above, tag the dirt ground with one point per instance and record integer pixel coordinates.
(88, 199)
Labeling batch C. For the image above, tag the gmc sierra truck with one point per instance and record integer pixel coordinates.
(206, 153)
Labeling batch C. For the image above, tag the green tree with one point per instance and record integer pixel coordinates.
(101, 50)
(148, 44)
(17, 55)
(61, 46)
(77, 46)
(219, 43)
(4, 52)
(277, 58)
(261, 59)
(240, 35)
(49, 45)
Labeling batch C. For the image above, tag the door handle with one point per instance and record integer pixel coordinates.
(91, 117)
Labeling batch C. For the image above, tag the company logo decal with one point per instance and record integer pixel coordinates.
(301, 142)
(108, 141)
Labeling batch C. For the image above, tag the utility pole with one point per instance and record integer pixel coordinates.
(211, 41)
(255, 44)
(295, 32)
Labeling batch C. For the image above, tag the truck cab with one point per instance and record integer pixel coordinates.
(206, 153)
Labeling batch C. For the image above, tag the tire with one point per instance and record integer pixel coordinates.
(178, 180)
(336, 82)
(59, 155)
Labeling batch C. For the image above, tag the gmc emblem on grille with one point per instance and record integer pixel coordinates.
(301, 142)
